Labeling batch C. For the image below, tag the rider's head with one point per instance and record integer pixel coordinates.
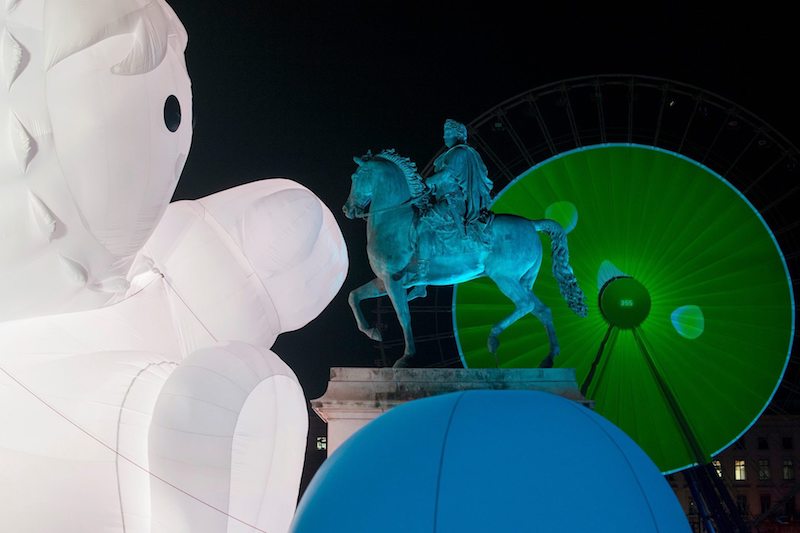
(454, 133)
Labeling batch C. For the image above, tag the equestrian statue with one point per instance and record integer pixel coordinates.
(440, 231)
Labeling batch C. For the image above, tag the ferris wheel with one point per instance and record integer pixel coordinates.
(681, 234)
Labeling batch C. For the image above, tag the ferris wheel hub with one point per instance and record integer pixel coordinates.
(624, 302)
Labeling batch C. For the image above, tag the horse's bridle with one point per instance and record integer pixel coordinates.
(411, 200)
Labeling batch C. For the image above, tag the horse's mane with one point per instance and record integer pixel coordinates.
(407, 166)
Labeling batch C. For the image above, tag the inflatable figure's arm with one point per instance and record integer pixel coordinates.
(226, 444)
(250, 262)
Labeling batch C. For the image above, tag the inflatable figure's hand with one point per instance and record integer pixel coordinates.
(292, 242)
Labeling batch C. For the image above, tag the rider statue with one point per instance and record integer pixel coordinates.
(460, 190)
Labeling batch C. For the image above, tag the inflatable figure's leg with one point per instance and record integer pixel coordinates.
(227, 443)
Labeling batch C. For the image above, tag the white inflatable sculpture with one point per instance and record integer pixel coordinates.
(137, 390)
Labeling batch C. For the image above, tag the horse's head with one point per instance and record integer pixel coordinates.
(386, 178)
(360, 189)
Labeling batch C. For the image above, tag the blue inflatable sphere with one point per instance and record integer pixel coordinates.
(489, 461)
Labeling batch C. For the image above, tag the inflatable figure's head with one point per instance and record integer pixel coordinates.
(96, 103)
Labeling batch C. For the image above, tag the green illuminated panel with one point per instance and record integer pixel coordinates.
(720, 323)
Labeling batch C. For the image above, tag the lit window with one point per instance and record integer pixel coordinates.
(717, 467)
(738, 470)
(763, 469)
(788, 469)
(763, 444)
(322, 443)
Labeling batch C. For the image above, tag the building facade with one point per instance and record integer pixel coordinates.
(761, 473)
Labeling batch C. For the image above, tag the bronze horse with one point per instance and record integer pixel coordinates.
(402, 258)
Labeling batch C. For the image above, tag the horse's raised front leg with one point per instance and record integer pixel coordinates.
(399, 297)
(371, 289)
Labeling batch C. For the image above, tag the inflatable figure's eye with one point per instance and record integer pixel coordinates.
(172, 113)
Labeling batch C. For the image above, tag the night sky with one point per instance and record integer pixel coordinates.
(296, 89)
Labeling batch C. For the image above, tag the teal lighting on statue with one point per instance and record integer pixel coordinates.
(439, 231)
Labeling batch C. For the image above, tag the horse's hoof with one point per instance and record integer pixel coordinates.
(547, 362)
(374, 334)
(407, 361)
(493, 344)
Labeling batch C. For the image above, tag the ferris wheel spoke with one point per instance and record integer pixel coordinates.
(764, 174)
(491, 155)
(573, 127)
(689, 125)
(543, 126)
(667, 393)
(631, 100)
(660, 119)
(741, 154)
(722, 126)
(608, 342)
(515, 138)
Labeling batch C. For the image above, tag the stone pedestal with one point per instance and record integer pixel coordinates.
(357, 395)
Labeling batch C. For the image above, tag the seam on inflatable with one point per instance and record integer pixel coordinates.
(236, 385)
(580, 409)
(237, 252)
(441, 460)
(275, 399)
(123, 457)
(246, 362)
(119, 423)
(274, 447)
(299, 389)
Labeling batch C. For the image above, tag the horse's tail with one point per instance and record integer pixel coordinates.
(566, 279)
